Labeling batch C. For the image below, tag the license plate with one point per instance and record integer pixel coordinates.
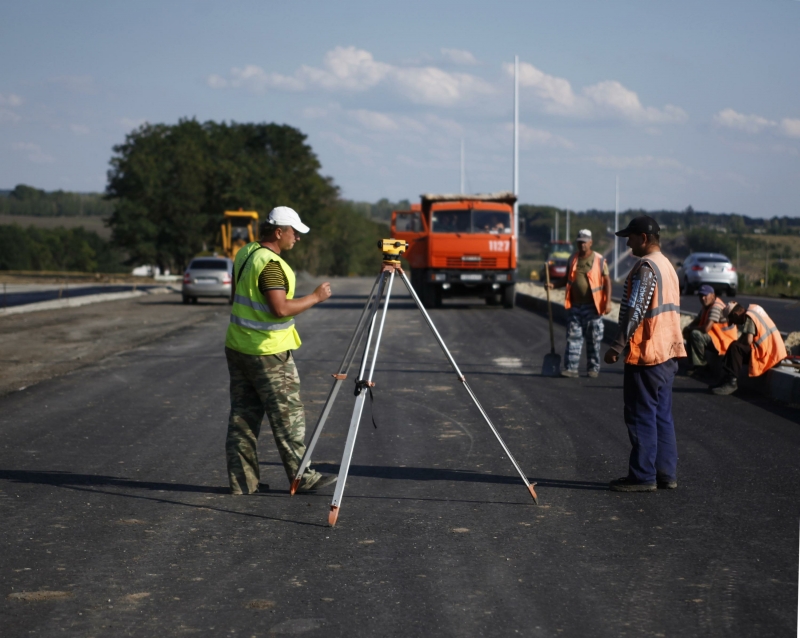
(206, 280)
(471, 277)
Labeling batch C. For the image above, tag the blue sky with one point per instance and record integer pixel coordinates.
(690, 103)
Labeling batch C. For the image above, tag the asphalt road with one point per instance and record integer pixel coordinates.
(116, 520)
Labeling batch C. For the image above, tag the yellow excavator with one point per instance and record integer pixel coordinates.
(239, 228)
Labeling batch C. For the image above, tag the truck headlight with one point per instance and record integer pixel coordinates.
(502, 277)
(438, 276)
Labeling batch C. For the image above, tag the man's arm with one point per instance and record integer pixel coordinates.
(714, 315)
(631, 314)
(280, 306)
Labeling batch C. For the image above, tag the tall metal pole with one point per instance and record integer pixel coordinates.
(556, 226)
(616, 229)
(462, 165)
(516, 155)
(566, 227)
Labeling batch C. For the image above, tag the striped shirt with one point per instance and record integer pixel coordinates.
(272, 278)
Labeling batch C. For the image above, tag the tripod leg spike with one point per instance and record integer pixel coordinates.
(295, 485)
(533, 493)
(333, 515)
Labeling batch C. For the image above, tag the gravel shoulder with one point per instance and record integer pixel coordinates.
(42, 345)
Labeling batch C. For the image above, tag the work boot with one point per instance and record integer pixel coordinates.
(569, 374)
(626, 484)
(313, 481)
(666, 484)
(593, 374)
(729, 387)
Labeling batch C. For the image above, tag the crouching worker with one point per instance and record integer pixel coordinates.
(708, 331)
(258, 346)
(760, 345)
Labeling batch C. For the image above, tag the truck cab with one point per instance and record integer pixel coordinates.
(460, 246)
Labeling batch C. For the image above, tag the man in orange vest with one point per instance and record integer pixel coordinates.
(587, 300)
(708, 331)
(760, 345)
(650, 327)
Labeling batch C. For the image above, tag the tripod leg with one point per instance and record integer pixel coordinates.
(361, 385)
(352, 348)
(469, 390)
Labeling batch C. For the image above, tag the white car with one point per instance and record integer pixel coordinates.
(713, 269)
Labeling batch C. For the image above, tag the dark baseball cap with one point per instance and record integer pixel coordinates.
(704, 290)
(638, 225)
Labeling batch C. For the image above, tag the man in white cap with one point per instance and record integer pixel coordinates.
(258, 346)
(588, 298)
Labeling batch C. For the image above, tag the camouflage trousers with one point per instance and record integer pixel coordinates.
(263, 384)
(583, 320)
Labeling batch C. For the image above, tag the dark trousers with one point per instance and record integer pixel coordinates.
(647, 392)
(737, 356)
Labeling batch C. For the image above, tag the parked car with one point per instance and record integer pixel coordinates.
(207, 277)
(557, 265)
(713, 269)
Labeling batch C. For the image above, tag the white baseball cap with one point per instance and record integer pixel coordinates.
(285, 216)
(584, 235)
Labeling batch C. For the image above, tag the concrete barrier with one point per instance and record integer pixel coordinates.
(782, 383)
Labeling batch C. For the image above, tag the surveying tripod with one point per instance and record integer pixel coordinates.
(392, 249)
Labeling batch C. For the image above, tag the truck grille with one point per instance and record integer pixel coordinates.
(457, 262)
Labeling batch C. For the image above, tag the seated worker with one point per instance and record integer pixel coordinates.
(588, 298)
(760, 345)
(708, 330)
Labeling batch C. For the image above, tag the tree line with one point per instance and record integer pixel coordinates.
(30, 201)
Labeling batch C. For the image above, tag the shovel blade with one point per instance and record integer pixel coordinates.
(552, 365)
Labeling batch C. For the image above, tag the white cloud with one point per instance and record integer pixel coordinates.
(374, 121)
(754, 124)
(8, 116)
(739, 121)
(79, 129)
(790, 127)
(314, 112)
(352, 69)
(604, 99)
(361, 151)
(33, 152)
(529, 136)
(459, 56)
(10, 100)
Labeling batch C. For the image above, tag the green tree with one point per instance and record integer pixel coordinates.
(172, 183)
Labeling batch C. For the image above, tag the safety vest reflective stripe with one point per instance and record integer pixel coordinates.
(666, 307)
(261, 325)
(768, 348)
(245, 301)
(658, 337)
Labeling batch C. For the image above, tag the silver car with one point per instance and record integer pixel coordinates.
(207, 277)
(707, 268)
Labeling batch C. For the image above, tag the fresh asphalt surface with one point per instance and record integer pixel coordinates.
(113, 491)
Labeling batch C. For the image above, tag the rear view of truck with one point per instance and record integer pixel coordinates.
(460, 246)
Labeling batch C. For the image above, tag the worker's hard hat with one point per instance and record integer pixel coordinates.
(285, 216)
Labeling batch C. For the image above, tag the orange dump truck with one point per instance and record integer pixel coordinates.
(460, 245)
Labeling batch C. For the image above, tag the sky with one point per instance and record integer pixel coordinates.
(686, 102)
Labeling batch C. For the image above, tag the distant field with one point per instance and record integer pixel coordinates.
(96, 224)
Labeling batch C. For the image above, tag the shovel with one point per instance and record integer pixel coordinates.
(552, 362)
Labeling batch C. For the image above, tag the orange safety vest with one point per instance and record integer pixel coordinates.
(658, 338)
(722, 335)
(595, 277)
(768, 346)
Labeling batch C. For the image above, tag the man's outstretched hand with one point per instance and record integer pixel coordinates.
(611, 356)
(323, 292)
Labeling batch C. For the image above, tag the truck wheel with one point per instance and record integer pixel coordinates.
(185, 299)
(508, 296)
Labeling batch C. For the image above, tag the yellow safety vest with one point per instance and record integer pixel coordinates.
(253, 329)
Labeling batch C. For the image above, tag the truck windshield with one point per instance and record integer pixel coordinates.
(471, 221)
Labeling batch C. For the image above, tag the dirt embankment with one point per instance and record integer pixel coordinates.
(41, 345)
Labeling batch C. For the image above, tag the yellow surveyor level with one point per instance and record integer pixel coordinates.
(392, 249)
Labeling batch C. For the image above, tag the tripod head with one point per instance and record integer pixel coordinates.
(392, 249)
